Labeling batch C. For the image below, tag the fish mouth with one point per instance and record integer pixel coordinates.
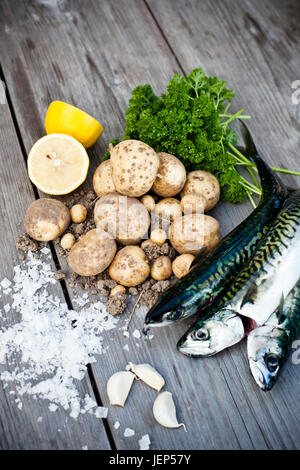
(190, 348)
(264, 379)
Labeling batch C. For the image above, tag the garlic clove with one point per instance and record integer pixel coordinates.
(118, 387)
(164, 411)
(147, 374)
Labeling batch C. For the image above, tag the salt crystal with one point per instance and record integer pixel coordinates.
(126, 347)
(117, 425)
(52, 407)
(5, 283)
(125, 334)
(89, 403)
(40, 419)
(136, 334)
(145, 442)
(129, 432)
(46, 354)
(101, 412)
(20, 405)
(45, 250)
(6, 308)
(84, 448)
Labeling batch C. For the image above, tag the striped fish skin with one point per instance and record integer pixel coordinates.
(273, 269)
(268, 346)
(270, 274)
(218, 269)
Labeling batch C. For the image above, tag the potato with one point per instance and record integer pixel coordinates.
(93, 253)
(168, 208)
(130, 266)
(161, 268)
(204, 184)
(181, 265)
(102, 179)
(193, 204)
(191, 232)
(158, 236)
(147, 243)
(78, 213)
(118, 289)
(148, 202)
(67, 241)
(171, 176)
(135, 166)
(125, 218)
(46, 219)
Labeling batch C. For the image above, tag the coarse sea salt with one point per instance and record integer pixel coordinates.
(145, 442)
(129, 432)
(46, 352)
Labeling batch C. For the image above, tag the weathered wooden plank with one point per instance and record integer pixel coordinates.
(250, 44)
(103, 51)
(20, 429)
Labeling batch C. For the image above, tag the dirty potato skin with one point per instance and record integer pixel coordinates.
(130, 266)
(135, 167)
(181, 265)
(126, 218)
(169, 208)
(171, 176)
(204, 184)
(192, 232)
(93, 253)
(46, 219)
(161, 268)
(102, 179)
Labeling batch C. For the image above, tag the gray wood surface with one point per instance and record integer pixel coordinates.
(20, 429)
(92, 54)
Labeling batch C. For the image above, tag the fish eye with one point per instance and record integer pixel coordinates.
(201, 334)
(272, 362)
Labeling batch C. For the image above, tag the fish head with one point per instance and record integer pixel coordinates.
(168, 310)
(266, 349)
(212, 334)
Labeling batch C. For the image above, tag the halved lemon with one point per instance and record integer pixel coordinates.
(63, 118)
(57, 164)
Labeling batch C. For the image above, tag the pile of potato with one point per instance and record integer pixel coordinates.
(138, 190)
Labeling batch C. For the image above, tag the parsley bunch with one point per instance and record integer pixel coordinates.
(191, 121)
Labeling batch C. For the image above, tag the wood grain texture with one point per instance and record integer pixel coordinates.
(254, 49)
(19, 429)
(92, 55)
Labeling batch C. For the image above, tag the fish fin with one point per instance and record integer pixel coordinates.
(250, 295)
(281, 313)
(250, 149)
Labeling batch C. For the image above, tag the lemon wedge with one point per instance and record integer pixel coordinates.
(57, 164)
(63, 118)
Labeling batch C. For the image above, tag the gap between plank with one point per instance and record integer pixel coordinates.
(55, 259)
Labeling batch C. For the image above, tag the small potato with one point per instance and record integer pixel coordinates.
(191, 232)
(148, 202)
(158, 236)
(135, 166)
(204, 184)
(130, 266)
(78, 213)
(67, 241)
(161, 268)
(171, 176)
(125, 218)
(181, 265)
(117, 290)
(168, 208)
(192, 204)
(46, 219)
(102, 179)
(93, 253)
